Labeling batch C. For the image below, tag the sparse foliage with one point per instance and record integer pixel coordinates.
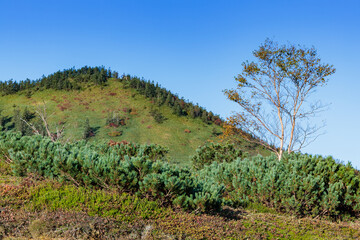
(40, 127)
(273, 94)
(115, 120)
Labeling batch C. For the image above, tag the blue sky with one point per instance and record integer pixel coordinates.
(194, 48)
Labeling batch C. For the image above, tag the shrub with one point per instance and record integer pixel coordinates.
(215, 152)
(300, 184)
(115, 120)
(88, 131)
(131, 168)
(122, 206)
(157, 115)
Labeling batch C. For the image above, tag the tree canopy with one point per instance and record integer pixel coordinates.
(274, 94)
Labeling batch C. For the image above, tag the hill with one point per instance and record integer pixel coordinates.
(103, 190)
(117, 108)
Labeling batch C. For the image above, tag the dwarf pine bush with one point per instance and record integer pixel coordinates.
(131, 168)
(301, 184)
(215, 152)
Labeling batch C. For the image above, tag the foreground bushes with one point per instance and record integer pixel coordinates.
(299, 184)
(129, 168)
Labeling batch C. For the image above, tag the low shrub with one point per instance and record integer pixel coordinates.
(300, 184)
(157, 115)
(115, 120)
(115, 133)
(123, 207)
(131, 168)
(215, 152)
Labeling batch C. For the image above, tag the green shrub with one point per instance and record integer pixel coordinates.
(115, 120)
(300, 184)
(131, 168)
(122, 206)
(157, 115)
(215, 152)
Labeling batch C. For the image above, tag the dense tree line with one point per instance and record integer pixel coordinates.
(161, 96)
(67, 79)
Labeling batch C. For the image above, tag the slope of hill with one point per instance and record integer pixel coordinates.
(82, 190)
(140, 118)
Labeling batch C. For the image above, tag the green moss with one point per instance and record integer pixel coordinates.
(260, 208)
(123, 206)
(5, 168)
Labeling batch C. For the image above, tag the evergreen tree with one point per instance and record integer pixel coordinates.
(115, 75)
(168, 100)
(177, 109)
(147, 89)
(27, 116)
(88, 132)
(18, 123)
(204, 116)
(210, 116)
(2, 120)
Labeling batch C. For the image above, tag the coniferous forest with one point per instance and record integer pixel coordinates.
(103, 184)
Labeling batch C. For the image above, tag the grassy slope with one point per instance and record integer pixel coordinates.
(95, 103)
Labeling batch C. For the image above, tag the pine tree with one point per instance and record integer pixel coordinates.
(87, 130)
(204, 116)
(18, 123)
(168, 100)
(177, 109)
(26, 116)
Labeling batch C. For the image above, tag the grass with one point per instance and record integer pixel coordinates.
(95, 103)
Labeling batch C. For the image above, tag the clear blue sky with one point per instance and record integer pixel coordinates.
(194, 48)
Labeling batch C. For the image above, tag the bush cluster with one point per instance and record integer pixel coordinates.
(215, 152)
(128, 168)
(157, 115)
(115, 120)
(300, 184)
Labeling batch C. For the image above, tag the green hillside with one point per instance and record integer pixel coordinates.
(119, 98)
(104, 188)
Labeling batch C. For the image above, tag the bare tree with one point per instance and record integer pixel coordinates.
(42, 113)
(274, 95)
